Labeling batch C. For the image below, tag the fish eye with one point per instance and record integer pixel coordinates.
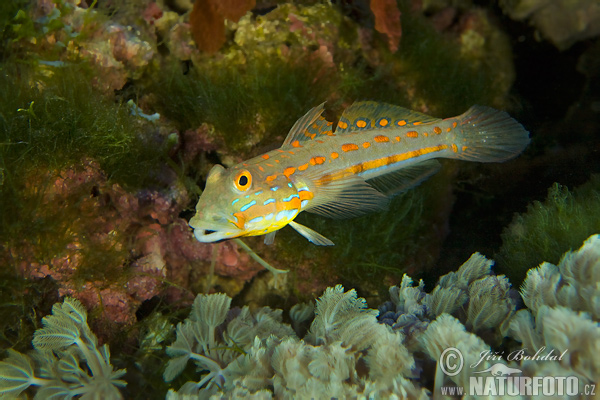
(243, 180)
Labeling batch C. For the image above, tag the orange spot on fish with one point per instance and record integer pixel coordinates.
(464, 148)
(397, 138)
(303, 167)
(417, 123)
(306, 195)
(289, 171)
(294, 204)
(437, 130)
(454, 148)
(412, 134)
(318, 160)
(261, 168)
(342, 125)
(315, 126)
(381, 139)
(334, 155)
(448, 129)
(366, 145)
(329, 123)
(454, 124)
(320, 141)
(425, 134)
(361, 124)
(383, 122)
(291, 152)
(245, 165)
(296, 143)
(271, 178)
(265, 156)
(349, 147)
(313, 135)
(241, 220)
(269, 165)
(401, 123)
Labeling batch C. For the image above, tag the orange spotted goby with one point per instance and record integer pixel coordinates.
(376, 151)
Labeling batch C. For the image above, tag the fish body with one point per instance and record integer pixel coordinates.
(376, 151)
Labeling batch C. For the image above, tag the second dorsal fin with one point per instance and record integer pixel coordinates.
(366, 115)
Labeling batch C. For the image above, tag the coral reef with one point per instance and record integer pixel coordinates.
(346, 352)
(349, 350)
(111, 117)
(124, 88)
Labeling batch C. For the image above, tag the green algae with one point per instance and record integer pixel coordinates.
(9, 11)
(550, 228)
(22, 304)
(248, 105)
(54, 121)
(453, 73)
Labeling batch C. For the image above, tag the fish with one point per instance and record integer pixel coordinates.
(376, 151)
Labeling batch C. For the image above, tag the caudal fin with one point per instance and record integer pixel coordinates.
(490, 135)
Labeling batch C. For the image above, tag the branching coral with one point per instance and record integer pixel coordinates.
(61, 346)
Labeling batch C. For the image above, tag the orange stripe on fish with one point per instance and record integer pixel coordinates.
(380, 162)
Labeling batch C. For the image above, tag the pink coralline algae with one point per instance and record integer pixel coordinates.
(113, 249)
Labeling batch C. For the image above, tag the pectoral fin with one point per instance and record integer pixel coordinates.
(312, 236)
(270, 237)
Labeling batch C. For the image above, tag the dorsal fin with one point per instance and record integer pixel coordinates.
(366, 115)
(311, 125)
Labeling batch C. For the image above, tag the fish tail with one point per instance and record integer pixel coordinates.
(489, 135)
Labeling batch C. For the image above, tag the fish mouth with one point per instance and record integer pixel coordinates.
(211, 231)
(210, 236)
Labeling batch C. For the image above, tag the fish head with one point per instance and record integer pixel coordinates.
(241, 201)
